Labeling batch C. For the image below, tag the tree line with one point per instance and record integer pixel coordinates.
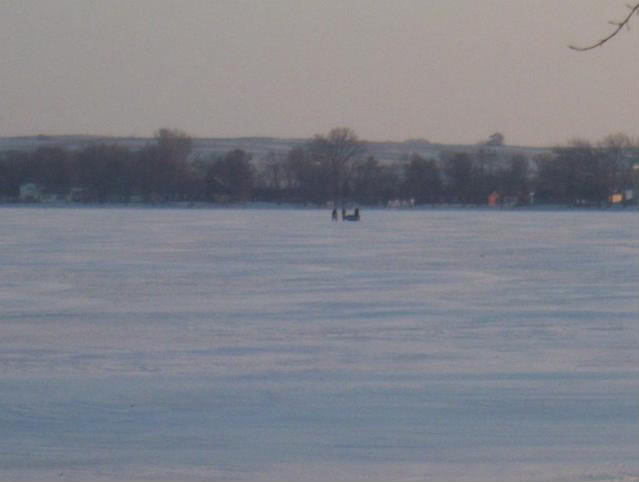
(327, 169)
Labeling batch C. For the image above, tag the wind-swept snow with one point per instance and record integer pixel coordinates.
(275, 345)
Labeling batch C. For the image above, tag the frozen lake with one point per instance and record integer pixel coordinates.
(275, 345)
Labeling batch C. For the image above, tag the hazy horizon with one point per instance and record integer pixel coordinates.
(448, 72)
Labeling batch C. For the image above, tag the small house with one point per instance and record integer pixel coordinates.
(30, 192)
(616, 198)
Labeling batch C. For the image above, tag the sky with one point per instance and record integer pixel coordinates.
(450, 71)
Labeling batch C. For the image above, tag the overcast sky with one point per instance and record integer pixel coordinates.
(451, 71)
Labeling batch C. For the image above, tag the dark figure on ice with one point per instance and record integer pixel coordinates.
(350, 217)
(334, 214)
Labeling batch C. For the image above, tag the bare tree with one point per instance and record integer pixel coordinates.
(496, 139)
(616, 165)
(423, 180)
(335, 154)
(634, 9)
(232, 176)
(172, 149)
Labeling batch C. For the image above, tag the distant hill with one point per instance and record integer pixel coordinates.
(261, 147)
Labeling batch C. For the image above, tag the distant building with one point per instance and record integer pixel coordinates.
(78, 194)
(628, 195)
(30, 192)
(616, 198)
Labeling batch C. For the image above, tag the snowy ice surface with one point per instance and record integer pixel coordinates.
(276, 345)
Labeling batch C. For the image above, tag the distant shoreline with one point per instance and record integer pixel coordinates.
(200, 205)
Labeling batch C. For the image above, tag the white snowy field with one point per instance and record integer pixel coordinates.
(275, 345)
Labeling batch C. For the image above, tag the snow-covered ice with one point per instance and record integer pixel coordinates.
(276, 345)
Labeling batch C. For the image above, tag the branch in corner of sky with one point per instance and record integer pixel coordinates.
(618, 26)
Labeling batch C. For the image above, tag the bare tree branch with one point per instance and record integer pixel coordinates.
(619, 25)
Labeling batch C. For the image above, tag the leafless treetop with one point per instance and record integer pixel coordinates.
(618, 26)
